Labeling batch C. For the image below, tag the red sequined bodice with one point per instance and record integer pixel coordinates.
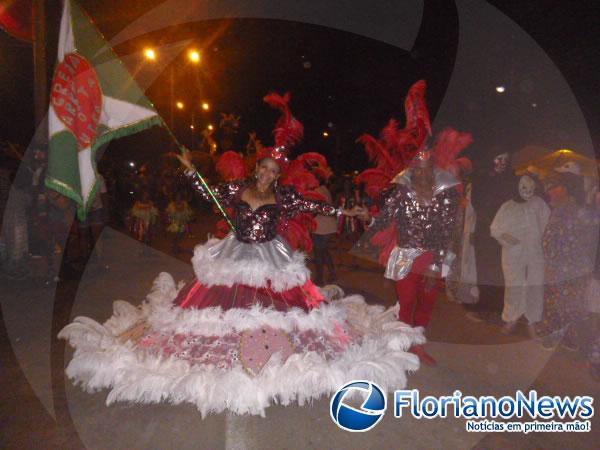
(260, 225)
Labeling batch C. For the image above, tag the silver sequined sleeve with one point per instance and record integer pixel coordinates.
(390, 209)
(293, 203)
(225, 193)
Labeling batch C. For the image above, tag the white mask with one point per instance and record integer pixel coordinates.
(526, 187)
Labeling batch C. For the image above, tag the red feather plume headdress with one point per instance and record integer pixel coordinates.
(448, 144)
(288, 131)
(231, 166)
(316, 164)
(396, 147)
(301, 173)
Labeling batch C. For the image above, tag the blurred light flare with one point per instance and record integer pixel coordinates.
(150, 54)
(194, 56)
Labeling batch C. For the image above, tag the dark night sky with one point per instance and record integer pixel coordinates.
(354, 82)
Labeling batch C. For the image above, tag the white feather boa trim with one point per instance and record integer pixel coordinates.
(255, 272)
(102, 361)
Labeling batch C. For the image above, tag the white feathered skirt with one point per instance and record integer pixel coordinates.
(241, 359)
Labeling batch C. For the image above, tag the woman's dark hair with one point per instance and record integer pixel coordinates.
(259, 161)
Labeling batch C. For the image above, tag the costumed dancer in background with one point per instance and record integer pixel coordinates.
(143, 217)
(179, 215)
(251, 329)
(349, 228)
(518, 227)
(418, 215)
(490, 190)
(326, 226)
(392, 153)
(591, 336)
(424, 207)
(461, 282)
(569, 246)
(592, 200)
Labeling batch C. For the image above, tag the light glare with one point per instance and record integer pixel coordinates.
(150, 54)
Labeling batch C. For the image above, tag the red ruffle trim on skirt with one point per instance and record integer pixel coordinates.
(197, 295)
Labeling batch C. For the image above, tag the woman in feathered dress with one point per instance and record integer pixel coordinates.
(252, 329)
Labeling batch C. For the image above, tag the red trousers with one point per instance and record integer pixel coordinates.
(416, 301)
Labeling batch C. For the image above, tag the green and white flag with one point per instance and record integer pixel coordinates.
(93, 100)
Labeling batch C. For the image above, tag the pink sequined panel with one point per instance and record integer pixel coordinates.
(259, 345)
(223, 352)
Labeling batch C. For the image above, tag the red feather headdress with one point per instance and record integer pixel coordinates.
(288, 131)
(297, 229)
(396, 147)
(298, 176)
(231, 166)
(300, 173)
(448, 144)
(316, 164)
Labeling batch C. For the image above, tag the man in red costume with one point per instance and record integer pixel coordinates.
(423, 203)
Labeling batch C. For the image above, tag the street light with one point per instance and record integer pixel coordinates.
(500, 89)
(150, 54)
(210, 127)
(325, 134)
(194, 56)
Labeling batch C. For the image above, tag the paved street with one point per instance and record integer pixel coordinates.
(42, 409)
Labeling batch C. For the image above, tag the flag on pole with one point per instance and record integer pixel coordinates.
(93, 100)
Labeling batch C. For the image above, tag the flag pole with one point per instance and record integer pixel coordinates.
(201, 178)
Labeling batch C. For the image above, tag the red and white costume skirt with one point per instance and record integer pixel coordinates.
(250, 331)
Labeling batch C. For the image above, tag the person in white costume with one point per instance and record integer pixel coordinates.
(468, 292)
(518, 226)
